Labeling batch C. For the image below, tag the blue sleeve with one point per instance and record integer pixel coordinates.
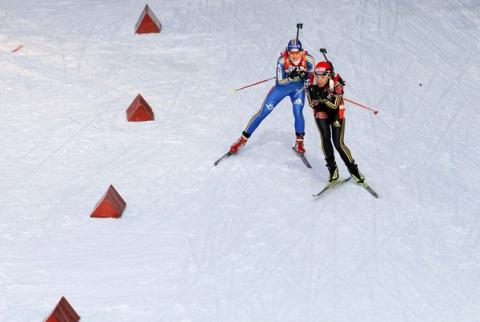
(310, 65)
(282, 78)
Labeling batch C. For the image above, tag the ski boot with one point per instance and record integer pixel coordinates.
(240, 143)
(356, 175)
(333, 170)
(299, 144)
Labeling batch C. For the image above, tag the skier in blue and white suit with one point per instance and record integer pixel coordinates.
(294, 67)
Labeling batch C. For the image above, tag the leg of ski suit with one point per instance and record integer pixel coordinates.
(298, 98)
(331, 129)
(276, 94)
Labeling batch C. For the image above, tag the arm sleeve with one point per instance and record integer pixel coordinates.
(311, 97)
(335, 102)
(337, 97)
(282, 78)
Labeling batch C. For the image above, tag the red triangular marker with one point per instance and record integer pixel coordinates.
(139, 110)
(63, 312)
(110, 206)
(148, 22)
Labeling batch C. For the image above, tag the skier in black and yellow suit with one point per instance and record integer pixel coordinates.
(325, 96)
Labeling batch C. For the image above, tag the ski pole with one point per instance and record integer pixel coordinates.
(250, 85)
(375, 112)
(299, 26)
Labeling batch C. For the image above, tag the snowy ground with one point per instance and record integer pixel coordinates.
(243, 241)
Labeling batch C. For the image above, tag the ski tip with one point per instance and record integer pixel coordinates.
(226, 155)
(318, 195)
(17, 48)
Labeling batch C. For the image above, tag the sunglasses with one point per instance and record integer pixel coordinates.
(322, 72)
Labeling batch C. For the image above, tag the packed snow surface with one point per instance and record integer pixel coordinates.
(243, 241)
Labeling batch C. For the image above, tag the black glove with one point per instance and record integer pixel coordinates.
(323, 94)
(297, 73)
(294, 73)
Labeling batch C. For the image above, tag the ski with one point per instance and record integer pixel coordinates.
(369, 189)
(229, 153)
(226, 155)
(302, 156)
(331, 186)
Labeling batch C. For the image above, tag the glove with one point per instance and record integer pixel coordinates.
(314, 103)
(323, 94)
(297, 73)
(294, 73)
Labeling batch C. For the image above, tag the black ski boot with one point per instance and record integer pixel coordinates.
(356, 175)
(333, 170)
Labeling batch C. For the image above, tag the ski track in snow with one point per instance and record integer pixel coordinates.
(243, 241)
